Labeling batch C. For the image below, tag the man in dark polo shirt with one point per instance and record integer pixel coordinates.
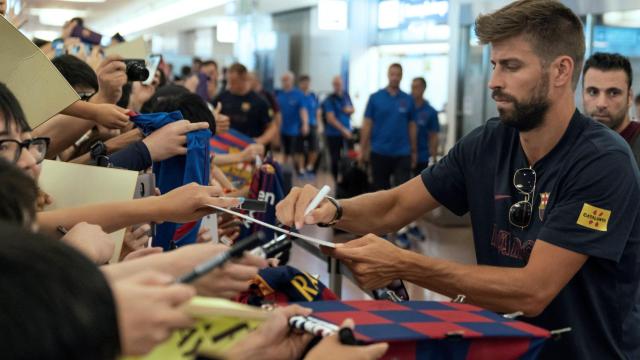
(552, 194)
(607, 95)
(248, 112)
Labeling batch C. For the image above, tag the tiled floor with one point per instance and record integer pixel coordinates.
(454, 243)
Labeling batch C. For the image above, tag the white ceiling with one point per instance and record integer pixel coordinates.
(133, 17)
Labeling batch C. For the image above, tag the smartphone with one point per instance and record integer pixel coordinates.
(396, 292)
(154, 62)
(86, 35)
(253, 205)
(145, 186)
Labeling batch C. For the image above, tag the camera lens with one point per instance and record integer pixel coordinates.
(137, 71)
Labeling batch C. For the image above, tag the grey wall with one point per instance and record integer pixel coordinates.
(296, 24)
(317, 53)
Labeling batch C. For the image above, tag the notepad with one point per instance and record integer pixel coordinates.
(73, 185)
(134, 49)
(39, 87)
(220, 323)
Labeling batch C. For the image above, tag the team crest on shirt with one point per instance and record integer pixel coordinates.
(246, 106)
(544, 200)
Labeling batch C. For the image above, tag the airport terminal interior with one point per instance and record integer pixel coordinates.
(320, 179)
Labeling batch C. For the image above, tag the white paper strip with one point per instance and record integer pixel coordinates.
(290, 233)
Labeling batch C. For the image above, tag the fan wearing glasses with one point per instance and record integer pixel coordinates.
(16, 143)
(553, 198)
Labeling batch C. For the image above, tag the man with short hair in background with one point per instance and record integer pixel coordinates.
(210, 69)
(552, 195)
(607, 95)
(295, 121)
(248, 112)
(388, 134)
(313, 110)
(337, 109)
(428, 126)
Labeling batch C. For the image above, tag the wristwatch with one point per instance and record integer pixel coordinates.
(98, 148)
(98, 153)
(337, 216)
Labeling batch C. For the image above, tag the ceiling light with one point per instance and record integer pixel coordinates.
(227, 31)
(332, 14)
(155, 16)
(56, 16)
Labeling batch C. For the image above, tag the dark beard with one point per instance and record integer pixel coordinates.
(614, 119)
(526, 116)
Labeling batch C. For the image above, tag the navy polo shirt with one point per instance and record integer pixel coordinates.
(390, 116)
(585, 200)
(311, 104)
(335, 104)
(427, 122)
(291, 102)
(248, 113)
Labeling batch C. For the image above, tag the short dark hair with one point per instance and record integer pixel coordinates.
(56, 303)
(552, 29)
(238, 69)
(76, 71)
(11, 110)
(210, 62)
(395, 65)
(161, 93)
(185, 71)
(304, 77)
(79, 21)
(192, 107)
(608, 62)
(422, 81)
(18, 196)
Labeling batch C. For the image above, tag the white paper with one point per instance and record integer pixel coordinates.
(283, 231)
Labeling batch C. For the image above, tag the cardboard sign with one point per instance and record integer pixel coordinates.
(73, 185)
(39, 87)
(134, 49)
(220, 324)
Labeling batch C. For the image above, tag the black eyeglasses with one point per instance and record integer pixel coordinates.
(525, 182)
(12, 149)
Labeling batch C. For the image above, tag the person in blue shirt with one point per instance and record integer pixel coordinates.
(428, 126)
(552, 196)
(337, 109)
(388, 134)
(295, 121)
(313, 110)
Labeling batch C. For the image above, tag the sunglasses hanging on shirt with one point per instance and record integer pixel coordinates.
(525, 182)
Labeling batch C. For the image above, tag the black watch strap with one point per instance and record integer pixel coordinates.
(97, 149)
(338, 214)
